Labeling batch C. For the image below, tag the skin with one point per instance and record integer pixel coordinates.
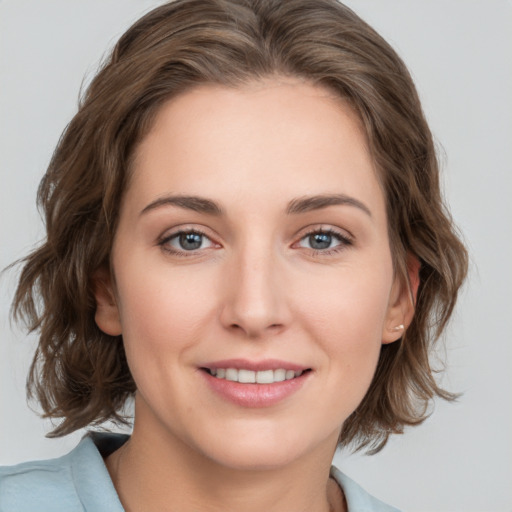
(255, 289)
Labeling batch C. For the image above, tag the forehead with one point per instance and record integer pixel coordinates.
(269, 140)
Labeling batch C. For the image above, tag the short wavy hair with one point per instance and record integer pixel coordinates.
(79, 374)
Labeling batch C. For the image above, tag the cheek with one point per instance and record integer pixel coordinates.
(346, 316)
(162, 310)
(351, 305)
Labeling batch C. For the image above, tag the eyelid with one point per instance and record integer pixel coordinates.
(185, 228)
(326, 228)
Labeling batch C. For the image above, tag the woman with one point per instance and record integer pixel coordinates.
(244, 232)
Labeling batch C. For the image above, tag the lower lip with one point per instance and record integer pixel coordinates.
(255, 395)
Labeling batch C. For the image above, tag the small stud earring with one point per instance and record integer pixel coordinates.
(400, 327)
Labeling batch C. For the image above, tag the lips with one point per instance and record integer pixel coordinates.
(255, 384)
(246, 364)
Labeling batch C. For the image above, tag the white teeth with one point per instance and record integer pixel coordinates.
(279, 375)
(232, 374)
(265, 377)
(251, 377)
(247, 376)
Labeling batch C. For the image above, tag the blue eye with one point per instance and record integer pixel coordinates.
(320, 241)
(323, 240)
(186, 241)
(190, 241)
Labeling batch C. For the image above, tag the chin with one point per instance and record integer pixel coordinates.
(253, 457)
(260, 449)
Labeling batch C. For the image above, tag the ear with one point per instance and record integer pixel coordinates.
(402, 302)
(107, 313)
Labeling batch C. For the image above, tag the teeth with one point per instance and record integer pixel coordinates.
(252, 377)
(279, 375)
(246, 376)
(232, 374)
(265, 377)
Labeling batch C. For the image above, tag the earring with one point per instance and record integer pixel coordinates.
(400, 327)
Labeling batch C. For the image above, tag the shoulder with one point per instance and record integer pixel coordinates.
(39, 485)
(358, 500)
(78, 481)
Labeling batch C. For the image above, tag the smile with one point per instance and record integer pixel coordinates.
(255, 377)
(255, 383)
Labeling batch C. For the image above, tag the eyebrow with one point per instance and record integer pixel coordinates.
(194, 203)
(296, 206)
(310, 203)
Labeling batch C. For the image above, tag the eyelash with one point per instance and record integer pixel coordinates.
(344, 242)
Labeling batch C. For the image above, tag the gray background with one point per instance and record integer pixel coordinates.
(459, 52)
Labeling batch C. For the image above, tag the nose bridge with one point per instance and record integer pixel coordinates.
(255, 301)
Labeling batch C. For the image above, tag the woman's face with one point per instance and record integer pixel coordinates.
(252, 245)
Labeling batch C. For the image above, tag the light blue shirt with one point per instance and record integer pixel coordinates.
(80, 482)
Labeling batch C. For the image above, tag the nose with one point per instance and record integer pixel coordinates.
(255, 302)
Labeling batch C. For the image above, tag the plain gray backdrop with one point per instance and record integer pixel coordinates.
(460, 54)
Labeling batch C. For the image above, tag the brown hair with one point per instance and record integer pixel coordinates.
(79, 373)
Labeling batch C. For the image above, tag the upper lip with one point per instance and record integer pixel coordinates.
(246, 364)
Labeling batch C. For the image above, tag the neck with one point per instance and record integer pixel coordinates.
(154, 471)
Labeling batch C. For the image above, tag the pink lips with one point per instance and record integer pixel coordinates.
(254, 395)
(267, 364)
